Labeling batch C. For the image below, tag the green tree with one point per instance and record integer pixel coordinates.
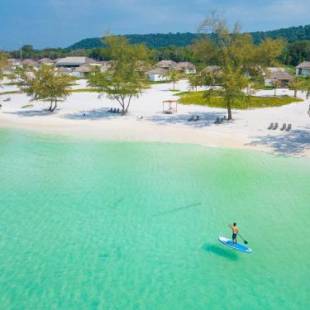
(3, 63)
(296, 84)
(196, 80)
(125, 80)
(234, 81)
(305, 86)
(174, 76)
(240, 59)
(275, 85)
(45, 84)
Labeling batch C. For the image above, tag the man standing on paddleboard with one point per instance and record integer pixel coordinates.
(235, 231)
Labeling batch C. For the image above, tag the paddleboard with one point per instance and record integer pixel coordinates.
(236, 246)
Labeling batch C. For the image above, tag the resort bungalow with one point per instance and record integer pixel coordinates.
(166, 64)
(73, 62)
(158, 75)
(83, 71)
(46, 61)
(303, 69)
(281, 77)
(211, 69)
(186, 67)
(29, 63)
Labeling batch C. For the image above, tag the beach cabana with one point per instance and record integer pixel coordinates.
(170, 106)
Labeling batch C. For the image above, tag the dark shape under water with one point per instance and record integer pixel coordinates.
(193, 205)
(218, 250)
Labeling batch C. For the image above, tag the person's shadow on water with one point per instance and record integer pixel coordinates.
(220, 251)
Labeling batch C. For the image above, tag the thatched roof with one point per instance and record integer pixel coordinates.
(159, 71)
(166, 64)
(280, 76)
(185, 66)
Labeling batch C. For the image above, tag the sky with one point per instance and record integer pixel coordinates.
(60, 23)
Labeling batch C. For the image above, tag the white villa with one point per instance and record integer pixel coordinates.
(158, 75)
(303, 69)
(73, 62)
(162, 68)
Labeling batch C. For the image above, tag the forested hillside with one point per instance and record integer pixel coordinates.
(184, 39)
(151, 40)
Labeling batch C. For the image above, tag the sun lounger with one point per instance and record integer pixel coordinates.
(275, 126)
(217, 121)
(196, 118)
(270, 126)
(191, 119)
(289, 127)
(283, 127)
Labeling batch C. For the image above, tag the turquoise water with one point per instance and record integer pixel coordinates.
(89, 225)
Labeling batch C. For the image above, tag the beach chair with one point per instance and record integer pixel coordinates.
(289, 127)
(191, 119)
(283, 127)
(275, 126)
(270, 126)
(196, 118)
(217, 121)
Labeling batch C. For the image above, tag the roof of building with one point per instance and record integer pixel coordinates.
(29, 62)
(211, 68)
(166, 64)
(159, 71)
(304, 65)
(84, 69)
(275, 69)
(185, 65)
(280, 75)
(46, 61)
(73, 61)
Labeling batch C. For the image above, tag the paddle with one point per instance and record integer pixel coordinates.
(245, 242)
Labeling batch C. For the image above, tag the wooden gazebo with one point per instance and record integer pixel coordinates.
(170, 106)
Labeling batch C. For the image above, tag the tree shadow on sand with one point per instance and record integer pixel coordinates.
(32, 113)
(95, 114)
(220, 251)
(205, 119)
(291, 143)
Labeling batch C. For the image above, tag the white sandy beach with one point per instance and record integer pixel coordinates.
(86, 116)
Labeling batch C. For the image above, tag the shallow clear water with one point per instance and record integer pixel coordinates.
(89, 225)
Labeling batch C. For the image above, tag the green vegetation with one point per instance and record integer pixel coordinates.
(159, 40)
(27, 106)
(85, 90)
(11, 92)
(126, 79)
(3, 64)
(177, 46)
(45, 84)
(241, 61)
(248, 102)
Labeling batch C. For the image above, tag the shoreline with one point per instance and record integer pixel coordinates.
(128, 130)
(85, 115)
